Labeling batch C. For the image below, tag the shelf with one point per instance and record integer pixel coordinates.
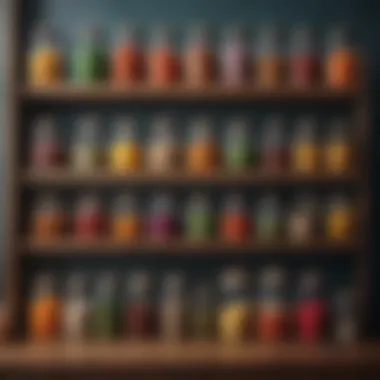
(105, 92)
(68, 178)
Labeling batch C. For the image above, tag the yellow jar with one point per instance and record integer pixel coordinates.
(232, 321)
(339, 219)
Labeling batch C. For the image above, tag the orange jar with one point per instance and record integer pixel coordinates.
(271, 325)
(339, 219)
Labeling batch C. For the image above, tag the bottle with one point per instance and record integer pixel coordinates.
(44, 60)
(44, 317)
(339, 218)
(161, 152)
(90, 59)
(268, 218)
(76, 309)
(127, 60)
(125, 153)
(233, 312)
(305, 149)
(46, 151)
(85, 147)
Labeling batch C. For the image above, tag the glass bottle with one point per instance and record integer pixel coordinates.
(268, 218)
(44, 317)
(125, 153)
(172, 305)
(90, 59)
(305, 147)
(233, 315)
(44, 60)
(76, 309)
(339, 218)
(272, 305)
(161, 152)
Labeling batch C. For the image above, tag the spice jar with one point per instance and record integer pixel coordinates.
(161, 152)
(339, 218)
(198, 218)
(163, 67)
(46, 149)
(233, 311)
(201, 155)
(89, 219)
(44, 60)
(270, 60)
(85, 147)
(90, 57)
(125, 153)
(305, 149)
(342, 62)
(234, 224)
(268, 218)
(238, 150)
(138, 322)
(172, 308)
(337, 149)
(76, 309)
(44, 314)
(104, 309)
(304, 64)
(47, 218)
(199, 65)
(272, 305)
(234, 59)
(311, 309)
(125, 221)
(127, 60)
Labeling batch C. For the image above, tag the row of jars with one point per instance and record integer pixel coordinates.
(268, 63)
(232, 311)
(126, 221)
(125, 152)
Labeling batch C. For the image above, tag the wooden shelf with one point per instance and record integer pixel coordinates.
(106, 92)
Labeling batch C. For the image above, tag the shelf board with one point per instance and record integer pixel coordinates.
(68, 178)
(106, 92)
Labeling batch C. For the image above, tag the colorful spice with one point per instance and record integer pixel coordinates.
(339, 218)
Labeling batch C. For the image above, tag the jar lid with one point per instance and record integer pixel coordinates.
(162, 203)
(269, 202)
(273, 130)
(106, 283)
(199, 34)
(272, 277)
(234, 202)
(310, 281)
(89, 202)
(237, 128)
(76, 284)
(233, 279)
(173, 284)
(201, 128)
(125, 128)
(306, 129)
(161, 36)
(45, 128)
(199, 202)
(124, 202)
(87, 129)
(138, 283)
(162, 129)
(47, 202)
(44, 283)
(302, 39)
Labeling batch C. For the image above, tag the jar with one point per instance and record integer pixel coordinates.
(90, 57)
(337, 149)
(268, 218)
(44, 313)
(270, 61)
(47, 218)
(127, 59)
(311, 309)
(138, 317)
(272, 305)
(302, 219)
(163, 66)
(274, 152)
(238, 149)
(76, 309)
(46, 151)
(172, 306)
(304, 65)
(342, 61)
(234, 59)
(233, 312)
(162, 224)
(104, 308)
(161, 154)
(199, 65)
(339, 218)
(89, 219)
(235, 224)
(305, 149)
(45, 64)
(85, 152)
(201, 155)
(125, 220)
(125, 153)
(198, 218)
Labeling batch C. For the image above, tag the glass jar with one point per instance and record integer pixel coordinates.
(339, 218)
(44, 315)
(45, 64)
(233, 315)
(125, 152)
(268, 218)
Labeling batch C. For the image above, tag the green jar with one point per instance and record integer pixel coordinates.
(268, 218)
(198, 218)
